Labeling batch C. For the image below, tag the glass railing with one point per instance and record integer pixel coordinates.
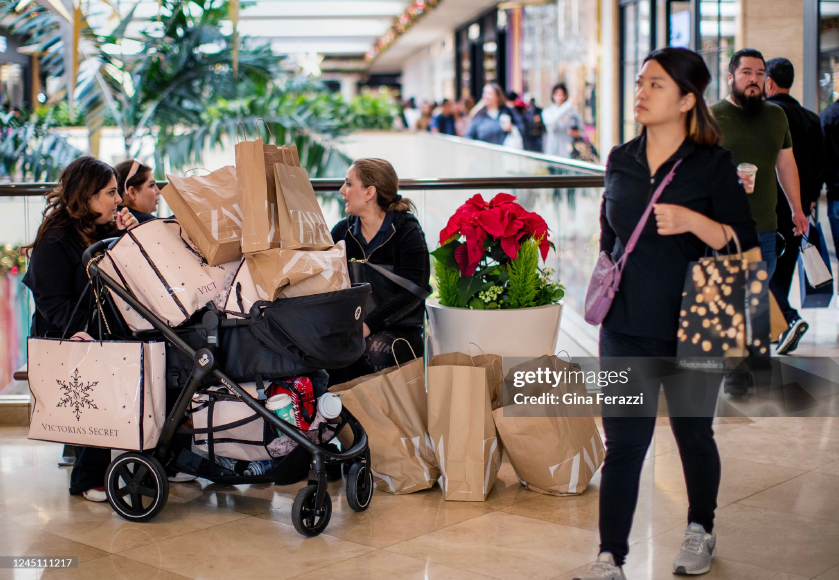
(565, 193)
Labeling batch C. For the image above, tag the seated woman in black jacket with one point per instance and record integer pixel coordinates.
(385, 247)
(81, 210)
(138, 189)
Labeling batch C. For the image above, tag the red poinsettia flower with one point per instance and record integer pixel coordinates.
(501, 219)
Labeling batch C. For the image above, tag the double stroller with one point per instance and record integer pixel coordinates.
(206, 359)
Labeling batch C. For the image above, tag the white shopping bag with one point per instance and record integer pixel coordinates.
(817, 273)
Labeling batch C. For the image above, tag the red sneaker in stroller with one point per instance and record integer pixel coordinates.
(208, 360)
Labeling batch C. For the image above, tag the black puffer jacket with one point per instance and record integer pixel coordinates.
(406, 251)
(57, 278)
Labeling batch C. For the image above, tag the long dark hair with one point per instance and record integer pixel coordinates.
(69, 203)
(380, 174)
(692, 76)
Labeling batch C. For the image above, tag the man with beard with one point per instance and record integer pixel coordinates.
(808, 150)
(757, 133)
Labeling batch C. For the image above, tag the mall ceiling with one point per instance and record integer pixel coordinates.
(340, 30)
(326, 27)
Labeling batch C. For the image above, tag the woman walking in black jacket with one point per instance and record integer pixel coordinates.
(385, 247)
(82, 210)
(644, 316)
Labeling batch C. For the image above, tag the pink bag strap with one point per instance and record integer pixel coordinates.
(633, 240)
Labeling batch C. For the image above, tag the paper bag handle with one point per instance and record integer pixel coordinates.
(483, 353)
(244, 132)
(267, 128)
(393, 350)
(566, 354)
(196, 169)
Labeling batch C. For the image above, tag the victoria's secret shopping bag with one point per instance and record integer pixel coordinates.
(462, 429)
(98, 394)
(159, 265)
(300, 219)
(207, 207)
(391, 405)
(554, 455)
(280, 273)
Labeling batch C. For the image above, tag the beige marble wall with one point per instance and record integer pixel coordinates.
(776, 28)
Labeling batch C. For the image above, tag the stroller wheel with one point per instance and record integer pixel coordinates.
(136, 486)
(359, 487)
(306, 519)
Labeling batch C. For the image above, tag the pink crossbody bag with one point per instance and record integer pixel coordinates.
(607, 274)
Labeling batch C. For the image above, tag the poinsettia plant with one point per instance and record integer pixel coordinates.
(489, 257)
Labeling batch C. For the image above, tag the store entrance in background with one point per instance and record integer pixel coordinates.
(828, 52)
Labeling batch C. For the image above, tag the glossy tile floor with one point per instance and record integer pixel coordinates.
(778, 519)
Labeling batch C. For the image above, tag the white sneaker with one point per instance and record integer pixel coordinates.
(698, 549)
(182, 477)
(96, 494)
(604, 569)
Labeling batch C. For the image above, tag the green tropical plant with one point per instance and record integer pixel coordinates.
(181, 91)
(30, 149)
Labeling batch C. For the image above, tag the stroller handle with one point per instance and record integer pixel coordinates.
(99, 246)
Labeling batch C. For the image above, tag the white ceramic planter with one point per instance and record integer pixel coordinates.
(519, 332)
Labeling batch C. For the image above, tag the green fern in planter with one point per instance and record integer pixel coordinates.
(524, 276)
(447, 284)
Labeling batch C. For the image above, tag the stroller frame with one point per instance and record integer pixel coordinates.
(312, 507)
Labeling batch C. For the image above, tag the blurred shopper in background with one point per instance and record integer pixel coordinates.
(411, 114)
(534, 129)
(558, 119)
(494, 121)
(808, 151)
(581, 148)
(426, 116)
(445, 121)
(465, 107)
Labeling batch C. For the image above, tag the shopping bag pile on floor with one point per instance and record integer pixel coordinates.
(452, 428)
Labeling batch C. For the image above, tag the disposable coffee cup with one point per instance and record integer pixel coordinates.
(283, 407)
(505, 120)
(329, 406)
(747, 173)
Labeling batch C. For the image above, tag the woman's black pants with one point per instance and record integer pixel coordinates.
(627, 441)
(89, 469)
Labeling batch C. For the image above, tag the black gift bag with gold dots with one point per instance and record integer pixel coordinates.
(724, 318)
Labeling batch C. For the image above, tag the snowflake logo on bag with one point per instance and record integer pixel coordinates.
(77, 395)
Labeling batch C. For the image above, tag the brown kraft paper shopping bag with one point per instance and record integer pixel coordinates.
(208, 209)
(253, 195)
(391, 405)
(491, 362)
(462, 429)
(272, 155)
(279, 273)
(554, 455)
(300, 219)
